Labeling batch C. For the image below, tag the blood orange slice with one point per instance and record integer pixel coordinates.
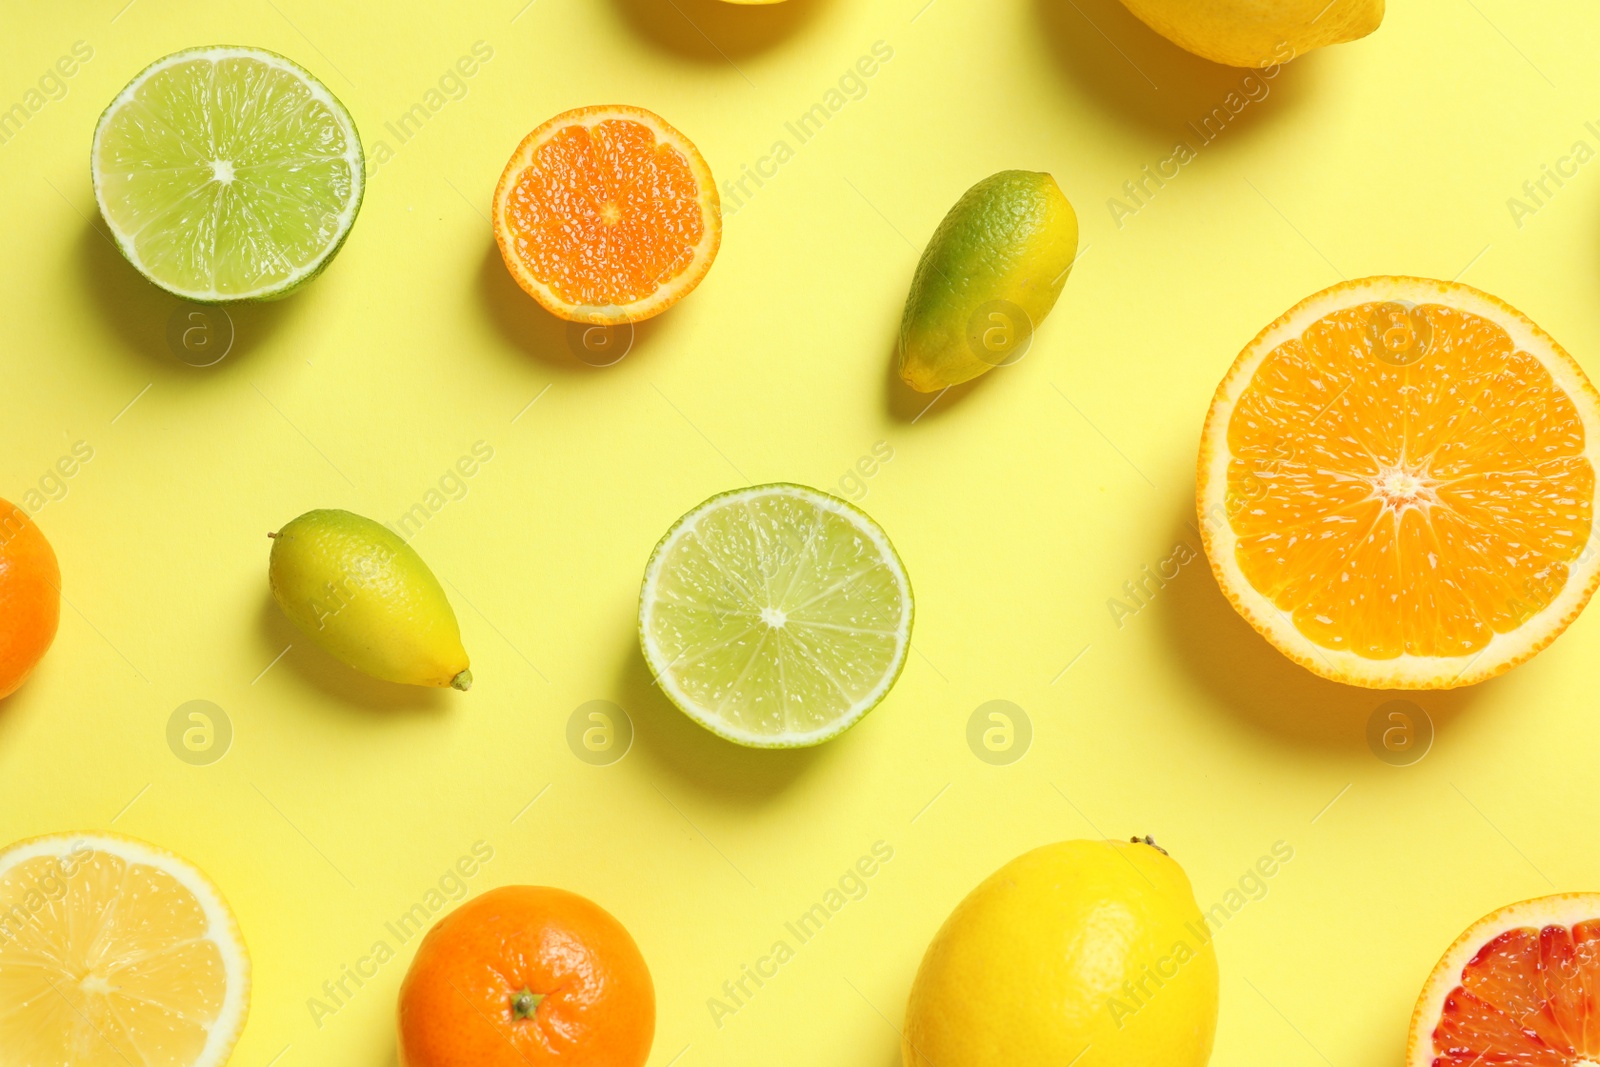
(1521, 987)
(1397, 485)
(607, 215)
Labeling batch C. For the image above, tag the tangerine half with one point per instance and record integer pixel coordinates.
(30, 597)
(527, 976)
(607, 215)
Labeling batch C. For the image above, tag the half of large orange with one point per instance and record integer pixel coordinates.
(1521, 987)
(607, 215)
(1397, 485)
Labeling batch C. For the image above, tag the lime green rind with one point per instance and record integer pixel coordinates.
(659, 670)
(353, 156)
(1012, 237)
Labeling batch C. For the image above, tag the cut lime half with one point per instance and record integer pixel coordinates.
(775, 616)
(227, 174)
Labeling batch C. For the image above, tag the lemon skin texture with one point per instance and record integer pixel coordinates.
(364, 596)
(1012, 238)
(1031, 967)
(1257, 33)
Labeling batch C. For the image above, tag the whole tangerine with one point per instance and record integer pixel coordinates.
(30, 597)
(527, 976)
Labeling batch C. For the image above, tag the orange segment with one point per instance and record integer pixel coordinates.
(1396, 484)
(607, 214)
(115, 952)
(1520, 987)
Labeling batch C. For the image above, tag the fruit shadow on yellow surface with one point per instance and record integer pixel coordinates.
(1260, 686)
(698, 759)
(150, 321)
(348, 686)
(716, 31)
(558, 343)
(1109, 56)
(905, 404)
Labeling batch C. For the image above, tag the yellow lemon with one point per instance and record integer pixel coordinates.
(364, 596)
(1091, 953)
(1257, 33)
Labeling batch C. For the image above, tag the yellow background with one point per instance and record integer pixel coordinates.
(1019, 507)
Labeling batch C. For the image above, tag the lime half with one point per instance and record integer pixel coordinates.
(227, 174)
(775, 616)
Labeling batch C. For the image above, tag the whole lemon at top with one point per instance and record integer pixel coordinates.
(363, 595)
(1257, 33)
(1090, 953)
(989, 276)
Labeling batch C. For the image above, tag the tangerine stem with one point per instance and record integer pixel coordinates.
(525, 1003)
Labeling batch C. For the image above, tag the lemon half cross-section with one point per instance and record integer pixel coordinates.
(227, 173)
(775, 616)
(114, 952)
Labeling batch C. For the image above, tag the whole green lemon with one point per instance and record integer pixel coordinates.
(363, 595)
(987, 279)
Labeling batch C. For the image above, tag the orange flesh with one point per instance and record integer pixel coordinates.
(605, 215)
(1529, 998)
(1406, 481)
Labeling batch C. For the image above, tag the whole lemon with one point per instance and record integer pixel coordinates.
(360, 593)
(989, 276)
(1091, 953)
(1257, 33)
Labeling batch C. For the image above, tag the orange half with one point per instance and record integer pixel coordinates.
(1397, 481)
(1520, 987)
(607, 215)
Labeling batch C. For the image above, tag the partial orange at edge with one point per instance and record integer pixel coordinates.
(607, 215)
(30, 597)
(1396, 485)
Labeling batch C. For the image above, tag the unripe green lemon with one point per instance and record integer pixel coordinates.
(987, 279)
(1091, 953)
(364, 596)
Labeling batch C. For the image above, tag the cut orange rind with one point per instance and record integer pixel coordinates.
(1396, 485)
(607, 215)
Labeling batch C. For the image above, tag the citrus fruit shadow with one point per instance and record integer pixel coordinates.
(1108, 55)
(1257, 684)
(525, 323)
(714, 31)
(907, 405)
(698, 758)
(315, 668)
(138, 312)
